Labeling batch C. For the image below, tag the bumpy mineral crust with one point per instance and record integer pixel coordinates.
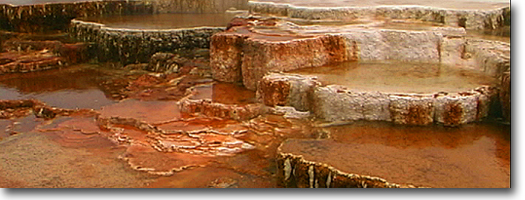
(339, 103)
(137, 45)
(467, 14)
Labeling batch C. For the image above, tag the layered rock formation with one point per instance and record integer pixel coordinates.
(56, 16)
(474, 15)
(252, 48)
(243, 53)
(135, 45)
(339, 103)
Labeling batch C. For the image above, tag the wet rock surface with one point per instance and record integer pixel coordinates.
(164, 144)
(161, 150)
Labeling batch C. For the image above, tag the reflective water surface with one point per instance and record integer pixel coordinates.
(164, 21)
(473, 155)
(73, 87)
(399, 77)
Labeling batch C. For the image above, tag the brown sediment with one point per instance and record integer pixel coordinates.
(31, 61)
(211, 176)
(147, 159)
(56, 159)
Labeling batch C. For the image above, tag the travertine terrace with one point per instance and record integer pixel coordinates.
(364, 32)
(261, 93)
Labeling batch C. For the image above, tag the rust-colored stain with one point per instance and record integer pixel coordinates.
(418, 115)
(275, 92)
(453, 114)
(336, 47)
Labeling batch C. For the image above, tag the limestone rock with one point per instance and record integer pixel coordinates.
(471, 18)
(488, 101)
(337, 103)
(452, 50)
(262, 56)
(490, 57)
(402, 45)
(456, 109)
(277, 89)
(289, 112)
(412, 109)
(225, 57)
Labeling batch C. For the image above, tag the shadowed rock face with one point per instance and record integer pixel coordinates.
(129, 46)
(505, 95)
